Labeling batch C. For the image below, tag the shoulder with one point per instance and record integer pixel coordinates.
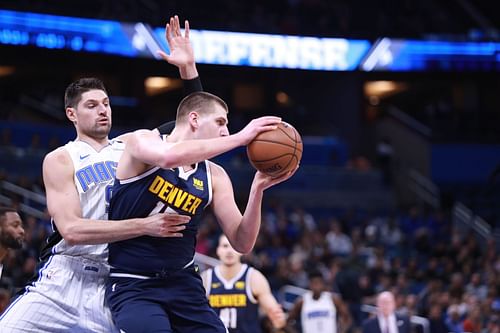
(206, 273)
(57, 156)
(216, 169)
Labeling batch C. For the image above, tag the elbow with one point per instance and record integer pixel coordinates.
(70, 235)
(244, 248)
(170, 159)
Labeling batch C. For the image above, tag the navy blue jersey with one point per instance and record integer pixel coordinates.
(159, 190)
(233, 300)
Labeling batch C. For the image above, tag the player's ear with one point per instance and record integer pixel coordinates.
(71, 114)
(193, 118)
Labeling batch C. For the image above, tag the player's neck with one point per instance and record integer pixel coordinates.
(96, 143)
(229, 271)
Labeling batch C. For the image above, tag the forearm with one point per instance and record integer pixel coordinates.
(193, 151)
(90, 232)
(248, 229)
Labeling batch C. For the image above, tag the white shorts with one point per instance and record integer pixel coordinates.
(67, 297)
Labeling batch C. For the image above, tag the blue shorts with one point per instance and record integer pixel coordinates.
(173, 303)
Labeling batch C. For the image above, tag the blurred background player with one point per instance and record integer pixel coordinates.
(11, 232)
(236, 291)
(67, 295)
(317, 309)
(173, 174)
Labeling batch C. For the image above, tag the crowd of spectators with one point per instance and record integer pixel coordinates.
(437, 272)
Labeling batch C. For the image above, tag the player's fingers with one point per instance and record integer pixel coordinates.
(186, 29)
(176, 218)
(174, 235)
(162, 54)
(168, 32)
(177, 26)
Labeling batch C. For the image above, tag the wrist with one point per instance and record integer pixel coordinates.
(188, 72)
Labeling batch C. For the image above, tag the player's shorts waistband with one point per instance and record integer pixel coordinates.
(79, 264)
(163, 274)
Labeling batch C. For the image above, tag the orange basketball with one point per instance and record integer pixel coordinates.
(276, 152)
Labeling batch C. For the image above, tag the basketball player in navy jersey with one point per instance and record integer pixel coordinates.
(67, 294)
(236, 291)
(153, 285)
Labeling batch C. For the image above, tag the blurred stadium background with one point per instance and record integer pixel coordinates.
(398, 104)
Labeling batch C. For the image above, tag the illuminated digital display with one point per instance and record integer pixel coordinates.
(413, 55)
(248, 49)
(276, 51)
(211, 47)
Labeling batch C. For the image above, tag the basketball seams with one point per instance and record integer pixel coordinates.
(286, 142)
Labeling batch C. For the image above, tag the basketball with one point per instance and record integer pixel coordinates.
(277, 151)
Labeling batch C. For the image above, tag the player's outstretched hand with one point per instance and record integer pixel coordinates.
(165, 225)
(256, 126)
(181, 50)
(266, 181)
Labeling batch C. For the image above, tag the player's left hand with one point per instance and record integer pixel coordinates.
(277, 317)
(266, 181)
(181, 50)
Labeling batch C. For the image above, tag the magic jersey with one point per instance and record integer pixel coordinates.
(94, 176)
(318, 315)
(233, 300)
(156, 191)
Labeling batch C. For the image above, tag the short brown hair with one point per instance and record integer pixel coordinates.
(74, 91)
(200, 102)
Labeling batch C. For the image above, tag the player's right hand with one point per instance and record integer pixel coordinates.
(256, 126)
(166, 224)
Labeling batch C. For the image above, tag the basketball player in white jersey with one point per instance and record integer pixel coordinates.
(318, 308)
(11, 232)
(67, 294)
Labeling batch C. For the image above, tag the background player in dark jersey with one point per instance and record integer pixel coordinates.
(236, 291)
(153, 285)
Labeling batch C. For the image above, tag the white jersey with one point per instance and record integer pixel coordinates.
(318, 316)
(67, 294)
(94, 176)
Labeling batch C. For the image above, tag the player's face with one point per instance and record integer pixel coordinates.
(213, 124)
(12, 231)
(93, 114)
(226, 253)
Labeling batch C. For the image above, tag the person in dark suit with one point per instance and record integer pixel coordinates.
(387, 320)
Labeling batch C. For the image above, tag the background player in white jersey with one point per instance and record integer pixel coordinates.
(236, 291)
(68, 293)
(11, 232)
(317, 309)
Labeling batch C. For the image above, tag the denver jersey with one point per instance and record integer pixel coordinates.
(94, 176)
(156, 191)
(318, 315)
(233, 300)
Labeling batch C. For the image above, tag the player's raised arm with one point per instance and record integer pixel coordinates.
(63, 204)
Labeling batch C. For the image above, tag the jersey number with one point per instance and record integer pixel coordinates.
(228, 317)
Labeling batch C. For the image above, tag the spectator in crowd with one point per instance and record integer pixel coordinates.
(387, 320)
